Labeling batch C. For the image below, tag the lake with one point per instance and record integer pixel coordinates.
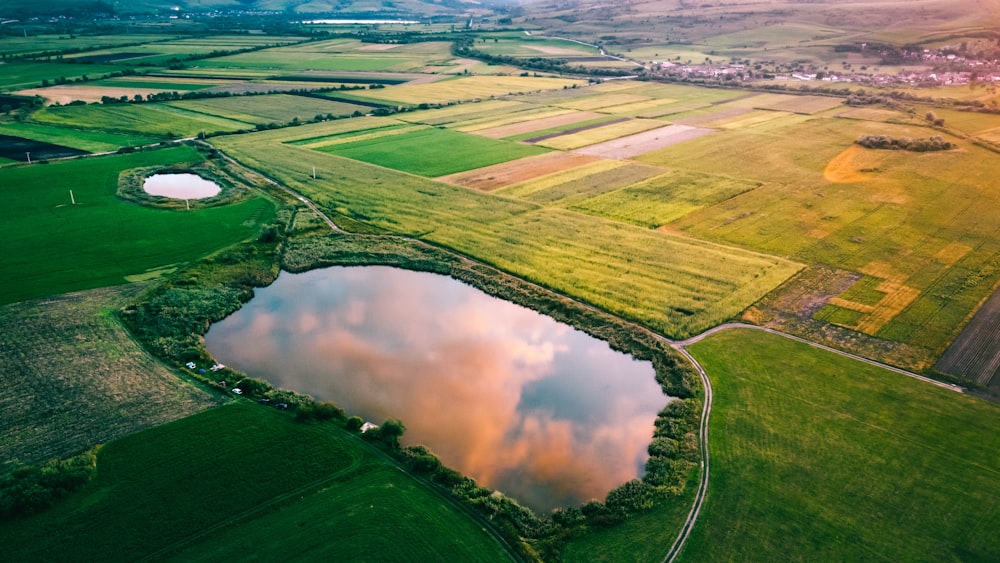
(180, 186)
(519, 402)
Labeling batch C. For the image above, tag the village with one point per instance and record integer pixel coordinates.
(926, 68)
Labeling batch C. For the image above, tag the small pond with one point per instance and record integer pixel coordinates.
(521, 403)
(180, 186)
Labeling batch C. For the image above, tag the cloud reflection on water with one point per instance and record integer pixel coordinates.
(519, 402)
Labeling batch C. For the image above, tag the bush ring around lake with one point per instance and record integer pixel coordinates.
(232, 189)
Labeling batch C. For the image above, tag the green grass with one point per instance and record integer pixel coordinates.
(244, 479)
(865, 291)
(92, 141)
(643, 537)
(30, 74)
(45, 43)
(144, 119)
(816, 457)
(432, 152)
(52, 247)
(278, 108)
(67, 363)
(838, 315)
(667, 197)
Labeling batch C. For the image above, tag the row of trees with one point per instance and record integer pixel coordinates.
(31, 488)
(935, 143)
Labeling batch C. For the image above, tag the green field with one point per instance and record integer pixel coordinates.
(67, 363)
(247, 480)
(53, 247)
(816, 457)
(30, 74)
(91, 141)
(17, 45)
(665, 198)
(677, 285)
(923, 222)
(432, 152)
(144, 119)
(339, 55)
(277, 108)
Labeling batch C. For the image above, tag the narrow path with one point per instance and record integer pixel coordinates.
(727, 326)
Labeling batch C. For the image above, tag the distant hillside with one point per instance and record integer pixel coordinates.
(27, 8)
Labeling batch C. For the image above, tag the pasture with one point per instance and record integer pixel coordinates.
(53, 247)
(277, 108)
(339, 55)
(73, 377)
(17, 45)
(431, 152)
(31, 74)
(162, 53)
(310, 482)
(159, 120)
(90, 141)
(467, 88)
(828, 459)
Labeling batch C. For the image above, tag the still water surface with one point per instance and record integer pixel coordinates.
(180, 186)
(521, 403)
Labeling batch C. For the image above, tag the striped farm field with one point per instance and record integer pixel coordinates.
(505, 174)
(639, 109)
(90, 141)
(367, 134)
(600, 134)
(471, 87)
(678, 285)
(148, 119)
(525, 189)
(578, 190)
(527, 116)
(561, 119)
(796, 104)
(665, 198)
(603, 101)
(460, 112)
(640, 143)
(750, 119)
(432, 152)
(280, 108)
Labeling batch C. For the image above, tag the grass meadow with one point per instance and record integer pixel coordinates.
(53, 247)
(30, 74)
(432, 152)
(277, 108)
(157, 120)
(309, 483)
(92, 141)
(821, 458)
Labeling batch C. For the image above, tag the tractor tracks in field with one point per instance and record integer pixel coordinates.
(680, 346)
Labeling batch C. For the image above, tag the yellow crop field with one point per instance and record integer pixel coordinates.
(470, 88)
(640, 108)
(456, 112)
(600, 134)
(501, 120)
(525, 189)
(602, 101)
